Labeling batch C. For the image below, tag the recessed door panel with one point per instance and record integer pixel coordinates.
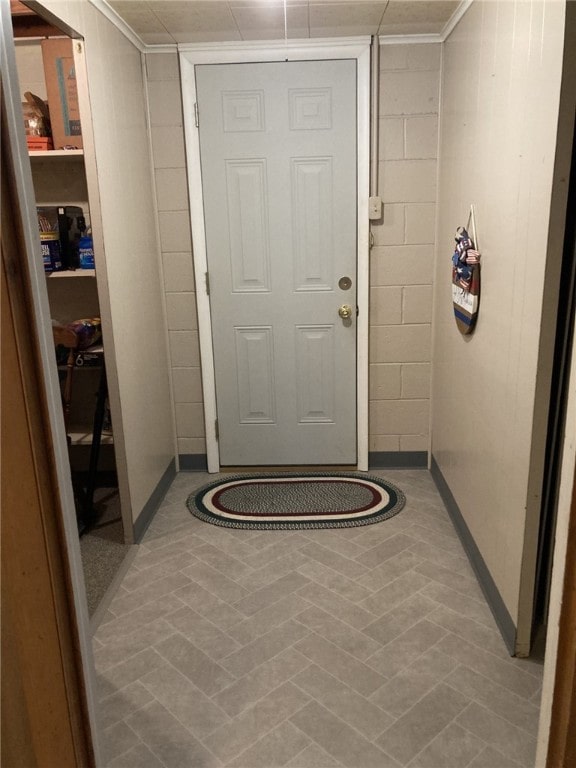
(248, 224)
(310, 109)
(255, 365)
(315, 374)
(312, 208)
(243, 111)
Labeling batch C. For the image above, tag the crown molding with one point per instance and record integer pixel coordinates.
(316, 42)
(439, 37)
(409, 39)
(455, 18)
(119, 23)
(160, 48)
(278, 45)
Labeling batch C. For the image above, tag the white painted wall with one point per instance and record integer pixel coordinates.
(30, 67)
(131, 252)
(499, 108)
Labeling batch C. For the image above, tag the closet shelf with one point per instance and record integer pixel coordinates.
(72, 273)
(82, 435)
(71, 153)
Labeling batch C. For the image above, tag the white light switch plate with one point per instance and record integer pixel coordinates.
(375, 208)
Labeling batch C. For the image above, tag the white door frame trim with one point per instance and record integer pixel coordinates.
(292, 50)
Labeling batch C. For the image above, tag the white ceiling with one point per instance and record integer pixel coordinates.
(158, 22)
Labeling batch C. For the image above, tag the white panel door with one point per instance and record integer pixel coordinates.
(278, 158)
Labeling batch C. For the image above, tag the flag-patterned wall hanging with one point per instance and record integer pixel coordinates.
(466, 278)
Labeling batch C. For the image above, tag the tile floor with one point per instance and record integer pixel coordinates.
(367, 648)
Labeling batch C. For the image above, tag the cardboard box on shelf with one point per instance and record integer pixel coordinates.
(36, 143)
(62, 91)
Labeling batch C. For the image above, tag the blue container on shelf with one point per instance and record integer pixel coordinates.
(50, 246)
(86, 252)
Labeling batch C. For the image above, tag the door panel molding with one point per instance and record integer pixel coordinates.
(255, 357)
(311, 210)
(297, 50)
(315, 373)
(249, 246)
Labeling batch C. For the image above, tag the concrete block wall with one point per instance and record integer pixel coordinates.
(401, 260)
(401, 263)
(169, 159)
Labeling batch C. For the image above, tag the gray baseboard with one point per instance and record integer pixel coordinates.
(193, 462)
(149, 510)
(197, 462)
(398, 459)
(493, 598)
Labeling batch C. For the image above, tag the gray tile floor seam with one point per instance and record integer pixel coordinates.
(501, 730)
(254, 761)
(169, 670)
(118, 702)
(515, 675)
(493, 638)
(128, 646)
(179, 719)
(183, 617)
(490, 748)
(404, 649)
(405, 748)
(314, 757)
(235, 639)
(510, 713)
(118, 758)
(252, 721)
(416, 700)
(171, 743)
(139, 756)
(417, 762)
(294, 760)
(118, 733)
(338, 729)
(248, 678)
(323, 702)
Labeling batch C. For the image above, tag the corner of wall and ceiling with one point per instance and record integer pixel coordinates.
(145, 85)
(107, 11)
(128, 32)
(455, 18)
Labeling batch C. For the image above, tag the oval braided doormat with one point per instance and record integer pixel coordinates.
(291, 501)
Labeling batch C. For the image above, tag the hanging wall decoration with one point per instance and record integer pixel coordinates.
(466, 277)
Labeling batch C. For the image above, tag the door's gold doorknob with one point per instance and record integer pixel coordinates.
(345, 311)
